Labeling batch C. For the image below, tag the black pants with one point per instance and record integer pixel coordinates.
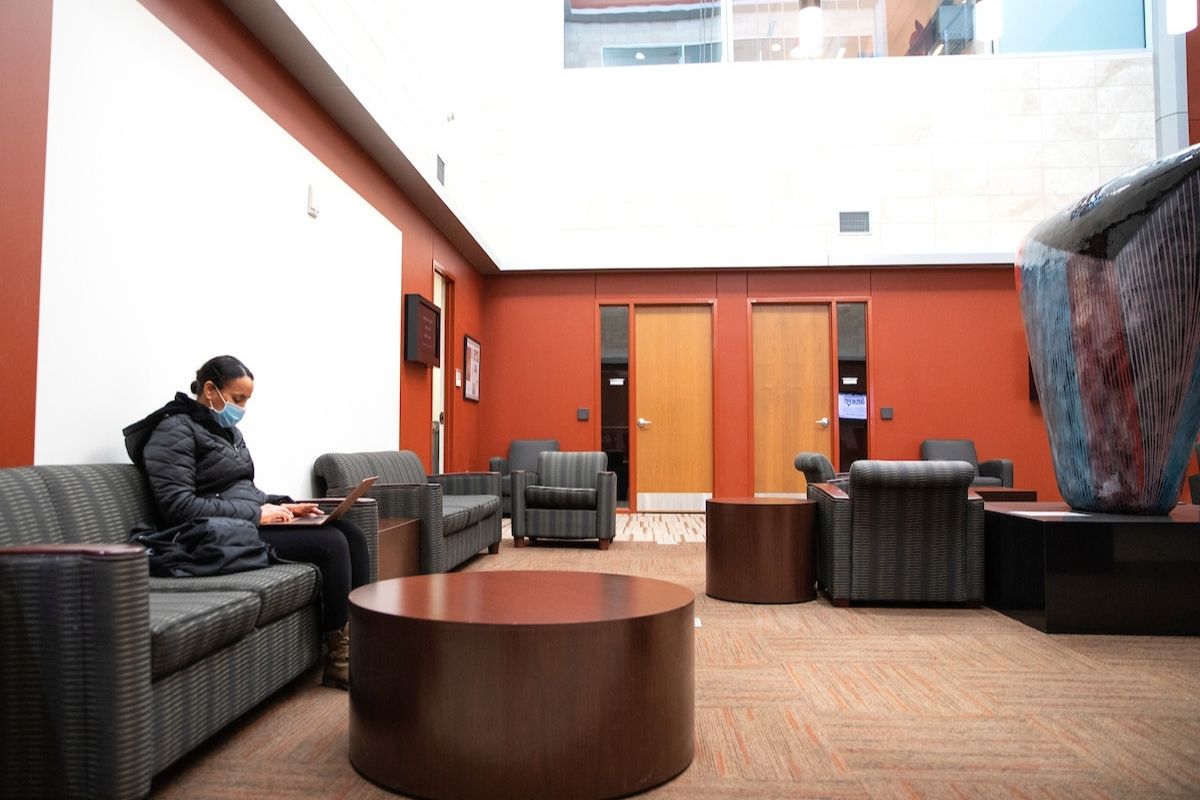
(339, 550)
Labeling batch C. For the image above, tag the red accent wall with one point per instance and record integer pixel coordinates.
(946, 350)
(538, 361)
(220, 39)
(24, 96)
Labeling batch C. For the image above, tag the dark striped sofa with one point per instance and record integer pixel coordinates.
(903, 531)
(108, 676)
(459, 512)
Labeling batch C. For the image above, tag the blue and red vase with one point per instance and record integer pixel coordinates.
(1110, 296)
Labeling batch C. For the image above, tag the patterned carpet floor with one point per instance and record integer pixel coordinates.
(808, 700)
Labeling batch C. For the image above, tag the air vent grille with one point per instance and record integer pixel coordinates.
(441, 171)
(854, 222)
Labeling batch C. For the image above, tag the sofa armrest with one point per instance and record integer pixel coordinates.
(606, 505)
(468, 483)
(975, 548)
(521, 479)
(834, 519)
(422, 501)
(1001, 468)
(75, 711)
(498, 464)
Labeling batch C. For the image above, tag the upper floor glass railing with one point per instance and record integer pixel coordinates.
(604, 33)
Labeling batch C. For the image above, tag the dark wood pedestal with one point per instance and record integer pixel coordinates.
(1005, 494)
(399, 547)
(761, 549)
(1094, 573)
(522, 684)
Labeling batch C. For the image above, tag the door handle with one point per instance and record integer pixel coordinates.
(643, 423)
(823, 422)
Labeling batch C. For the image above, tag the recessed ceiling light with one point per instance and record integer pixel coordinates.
(639, 55)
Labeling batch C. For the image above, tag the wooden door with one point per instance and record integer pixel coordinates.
(792, 393)
(673, 407)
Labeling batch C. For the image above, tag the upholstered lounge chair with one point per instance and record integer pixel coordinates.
(571, 496)
(995, 472)
(904, 531)
(522, 454)
(459, 513)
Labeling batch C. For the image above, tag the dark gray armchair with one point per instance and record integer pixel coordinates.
(995, 472)
(459, 512)
(522, 454)
(904, 531)
(817, 468)
(571, 496)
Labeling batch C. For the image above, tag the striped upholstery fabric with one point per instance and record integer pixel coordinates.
(75, 715)
(280, 589)
(907, 532)
(522, 454)
(816, 467)
(186, 626)
(451, 531)
(27, 513)
(339, 471)
(559, 497)
(110, 675)
(547, 504)
(99, 502)
(570, 470)
(193, 703)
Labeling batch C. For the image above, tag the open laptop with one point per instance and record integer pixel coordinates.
(321, 519)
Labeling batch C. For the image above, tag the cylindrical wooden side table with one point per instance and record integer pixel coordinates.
(761, 549)
(527, 685)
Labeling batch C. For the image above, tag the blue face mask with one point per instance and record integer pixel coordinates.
(230, 415)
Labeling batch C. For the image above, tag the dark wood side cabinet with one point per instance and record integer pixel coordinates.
(761, 549)
(1093, 573)
(510, 684)
(399, 547)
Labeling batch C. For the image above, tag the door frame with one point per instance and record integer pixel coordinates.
(449, 363)
(831, 301)
(633, 302)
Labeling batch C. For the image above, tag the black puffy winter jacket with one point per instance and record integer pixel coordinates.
(195, 467)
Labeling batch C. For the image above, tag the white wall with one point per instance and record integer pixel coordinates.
(175, 230)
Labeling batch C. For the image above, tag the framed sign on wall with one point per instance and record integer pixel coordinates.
(471, 369)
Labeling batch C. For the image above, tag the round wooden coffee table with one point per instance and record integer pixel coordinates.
(761, 549)
(521, 684)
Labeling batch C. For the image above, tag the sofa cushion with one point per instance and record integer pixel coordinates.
(461, 511)
(506, 485)
(281, 589)
(99, 503)
(559, 497)
(187, 626)
(27, 513)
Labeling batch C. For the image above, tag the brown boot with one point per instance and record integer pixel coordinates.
(337, 659)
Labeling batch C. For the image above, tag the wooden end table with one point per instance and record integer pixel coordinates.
(399, 547)
(512, 684)
(761, 549)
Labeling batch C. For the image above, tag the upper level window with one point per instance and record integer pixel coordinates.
(648, 32)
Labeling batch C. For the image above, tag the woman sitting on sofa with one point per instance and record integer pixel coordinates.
(197, 465)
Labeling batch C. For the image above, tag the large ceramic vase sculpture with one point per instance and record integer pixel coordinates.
(1110, 295)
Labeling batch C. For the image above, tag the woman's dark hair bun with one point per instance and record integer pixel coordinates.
(220, 370)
